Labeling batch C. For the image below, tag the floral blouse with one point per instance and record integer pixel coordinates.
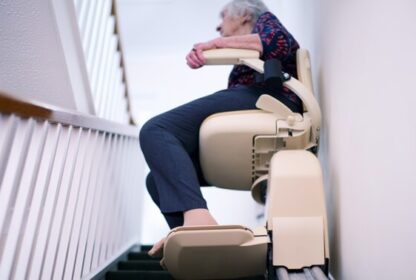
(277, 43)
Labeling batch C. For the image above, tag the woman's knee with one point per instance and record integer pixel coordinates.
(148, 131)
(152, 189)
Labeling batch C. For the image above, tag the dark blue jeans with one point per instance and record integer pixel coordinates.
(170, 142)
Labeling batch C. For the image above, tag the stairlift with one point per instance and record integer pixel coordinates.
(269, 151)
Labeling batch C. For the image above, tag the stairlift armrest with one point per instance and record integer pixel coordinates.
(229, 56)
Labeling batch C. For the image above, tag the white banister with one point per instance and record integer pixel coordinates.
(69, 195)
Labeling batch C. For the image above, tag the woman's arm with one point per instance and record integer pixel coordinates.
(195, 58)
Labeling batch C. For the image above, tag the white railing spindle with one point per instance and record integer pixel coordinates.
(101, 47)
(36, 208)
(98, 29)
(71, 203)
(41, 243)
(49, 262)
(9, 126)
(10, 182)
(24, 196)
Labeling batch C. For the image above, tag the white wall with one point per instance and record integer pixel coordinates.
(363, 61)
(33, 63)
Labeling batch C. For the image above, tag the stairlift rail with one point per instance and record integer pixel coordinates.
(314, 273)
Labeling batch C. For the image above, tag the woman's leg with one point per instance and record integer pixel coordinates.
(170, 145)
(174, 219)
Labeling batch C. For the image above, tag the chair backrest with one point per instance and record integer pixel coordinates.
(303, 63)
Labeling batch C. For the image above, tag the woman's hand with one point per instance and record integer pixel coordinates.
(195, 59)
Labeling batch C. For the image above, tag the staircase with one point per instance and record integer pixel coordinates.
(139, 266)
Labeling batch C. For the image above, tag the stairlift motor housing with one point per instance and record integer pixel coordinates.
(241, 150)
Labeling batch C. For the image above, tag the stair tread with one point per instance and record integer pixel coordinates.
(141, 261)
(155, 275)
(140, 256)
(140, 265)
(138, 275)
(145, 248)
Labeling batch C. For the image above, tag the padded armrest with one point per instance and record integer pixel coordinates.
(229, 56)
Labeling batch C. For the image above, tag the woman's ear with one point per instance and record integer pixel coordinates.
(246, 18)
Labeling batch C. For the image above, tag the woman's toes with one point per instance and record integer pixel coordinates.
(157, 249)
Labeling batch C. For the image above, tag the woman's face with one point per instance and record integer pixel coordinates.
(229, 25)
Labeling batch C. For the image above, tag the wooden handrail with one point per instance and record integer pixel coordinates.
(37, 110)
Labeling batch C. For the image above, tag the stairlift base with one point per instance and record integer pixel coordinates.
(296, 220)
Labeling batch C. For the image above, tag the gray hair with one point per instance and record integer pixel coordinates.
(237, 8)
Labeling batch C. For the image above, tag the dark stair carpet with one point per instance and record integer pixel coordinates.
(139, 266)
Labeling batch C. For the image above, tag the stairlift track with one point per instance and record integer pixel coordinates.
(314, 273)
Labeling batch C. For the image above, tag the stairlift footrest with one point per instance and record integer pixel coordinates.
(216, 252)
(298, 242)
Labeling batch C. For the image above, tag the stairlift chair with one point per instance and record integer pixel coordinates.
(249, 150)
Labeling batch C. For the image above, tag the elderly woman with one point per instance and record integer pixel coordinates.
(170, 141)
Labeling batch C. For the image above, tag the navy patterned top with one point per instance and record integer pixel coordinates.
(277, 43)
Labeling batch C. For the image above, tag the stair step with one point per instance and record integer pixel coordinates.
(154, 275)
(140, 266)
(144, 265)
(145, 248)
(138, 275)
(140, 256)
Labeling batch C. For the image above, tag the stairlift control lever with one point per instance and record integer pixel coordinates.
(270, 104)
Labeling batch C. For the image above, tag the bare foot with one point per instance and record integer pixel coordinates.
(198, 217)
(194, 217)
